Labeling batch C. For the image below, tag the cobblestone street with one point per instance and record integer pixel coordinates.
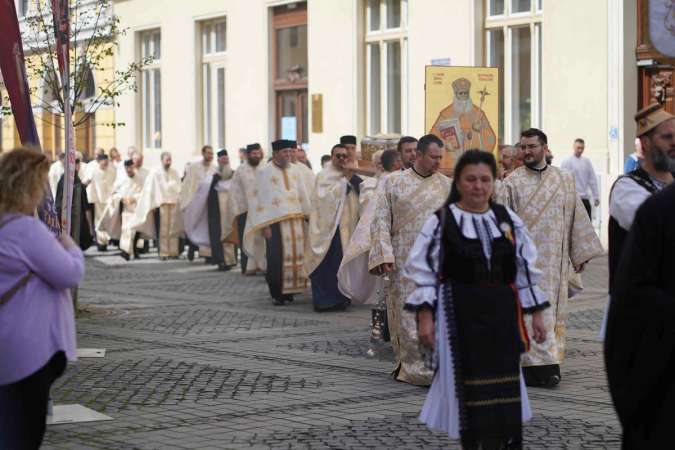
(201, 359)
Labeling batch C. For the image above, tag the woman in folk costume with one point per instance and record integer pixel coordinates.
(473, 265)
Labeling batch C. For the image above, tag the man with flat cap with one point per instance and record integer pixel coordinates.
(99, 190)
(241, 192)
(278, 209)
(655, 127)
(632, 189)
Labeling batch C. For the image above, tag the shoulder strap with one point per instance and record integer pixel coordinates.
(4, 298)
(641, 178)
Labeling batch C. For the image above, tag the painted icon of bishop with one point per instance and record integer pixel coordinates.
(462, 125)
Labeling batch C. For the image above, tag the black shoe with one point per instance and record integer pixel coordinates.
(553, 381)
(224, 267)
(208, 260)
(163, 258)
(102, 248)
(191, 253)
(289, 298)
(125, 255)
(278, 301)
(542, 376)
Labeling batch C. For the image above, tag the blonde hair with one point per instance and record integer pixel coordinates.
(23, 176)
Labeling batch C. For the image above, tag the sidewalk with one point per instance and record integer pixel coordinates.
(202, 359)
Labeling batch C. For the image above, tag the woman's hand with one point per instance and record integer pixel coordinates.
(538, 329)
(425, 327)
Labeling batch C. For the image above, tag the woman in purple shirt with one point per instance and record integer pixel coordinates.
(37, 324)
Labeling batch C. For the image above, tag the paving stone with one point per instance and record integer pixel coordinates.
(201, 359)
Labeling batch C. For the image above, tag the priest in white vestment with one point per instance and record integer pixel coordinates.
(407, 201)
(195, 173)
(546, 199)
(158, 215)
(206, 214)
(241, 192)
(305, 173)
(119, 216)
(278, 210)
(55, 171)
(335, 213)
(354, 279)
(141, 172)
(99, 190)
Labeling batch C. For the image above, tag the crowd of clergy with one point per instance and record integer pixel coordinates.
(351, 234)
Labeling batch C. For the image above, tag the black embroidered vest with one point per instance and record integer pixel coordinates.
(617, 235)
(462, 259)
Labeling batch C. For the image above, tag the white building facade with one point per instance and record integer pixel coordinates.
(232, 72)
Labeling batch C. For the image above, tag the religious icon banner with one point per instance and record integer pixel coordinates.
(462, 108)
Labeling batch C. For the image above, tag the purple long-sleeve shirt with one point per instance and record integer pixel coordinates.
(38, 320)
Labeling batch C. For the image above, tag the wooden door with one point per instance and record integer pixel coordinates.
(656, 78)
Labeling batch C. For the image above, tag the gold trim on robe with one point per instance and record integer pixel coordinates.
(555, 217)
(406, 203)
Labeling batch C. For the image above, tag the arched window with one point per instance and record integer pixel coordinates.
(89, 85)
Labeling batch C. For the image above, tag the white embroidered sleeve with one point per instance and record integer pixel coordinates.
(422, 266)
(532, 298)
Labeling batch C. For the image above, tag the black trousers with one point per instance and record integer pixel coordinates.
(23, 406)
(155, 214)
(587, 205)
(275, 261)
(241, 226)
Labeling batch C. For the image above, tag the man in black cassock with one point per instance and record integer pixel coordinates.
(640, 339)
(215, 203)
(80, 227)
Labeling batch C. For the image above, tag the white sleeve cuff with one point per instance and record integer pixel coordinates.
(422, 295)
(532, 299)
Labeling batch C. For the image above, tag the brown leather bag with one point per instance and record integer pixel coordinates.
(4, 298)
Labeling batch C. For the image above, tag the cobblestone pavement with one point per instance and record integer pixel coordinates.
(201, 359)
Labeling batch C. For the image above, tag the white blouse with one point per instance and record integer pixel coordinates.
(483, 226)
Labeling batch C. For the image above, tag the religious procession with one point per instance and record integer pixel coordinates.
(398, 282)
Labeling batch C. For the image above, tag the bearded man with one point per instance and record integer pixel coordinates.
(335, 213)
(157, 214)
(546, 199)
(195, 173)
(463, 125)
(242, 188)
(406, 202)
(407, 148)
(278, 210)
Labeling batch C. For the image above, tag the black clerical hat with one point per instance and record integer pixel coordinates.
(292, 144)
(348, 139)
(280, 144)
(128, 163)
(101, 157)
(221, 152)
(251, 147)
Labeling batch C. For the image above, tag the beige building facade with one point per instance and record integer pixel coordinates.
(93, 123)
(232, 72)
